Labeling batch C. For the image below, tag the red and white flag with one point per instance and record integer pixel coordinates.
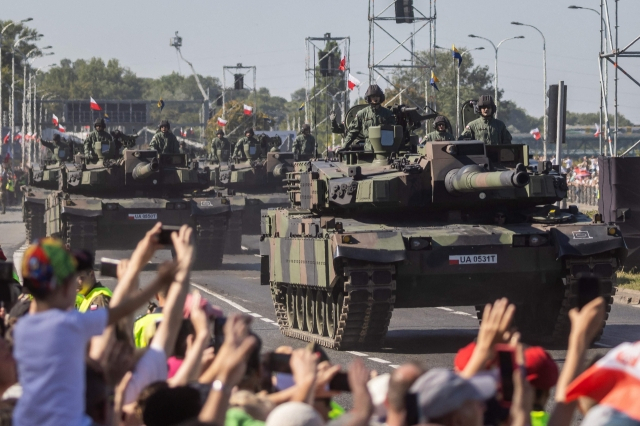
(54, 120)
(343, 64)
(612, 381)
(17, 137)
(597, 133)
(29, 136)
(6, 138)
(536, 134)
(222, 122)
(353, 82)
(94, 105)
(62, 129)
(248, 110)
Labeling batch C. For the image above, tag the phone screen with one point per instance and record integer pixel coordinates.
(588, 289)
(505, 361)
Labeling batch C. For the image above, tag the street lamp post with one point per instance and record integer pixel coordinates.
(495, 75)
(544, 87)
(601, 64)
(24, 100)
(13, 86)
(1, 34)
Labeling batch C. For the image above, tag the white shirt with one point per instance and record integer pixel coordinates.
(152, 367)
(50, 349)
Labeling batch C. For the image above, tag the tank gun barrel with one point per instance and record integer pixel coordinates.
(474, 178)
(144, 170)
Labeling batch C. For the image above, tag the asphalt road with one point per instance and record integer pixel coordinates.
(431, 336)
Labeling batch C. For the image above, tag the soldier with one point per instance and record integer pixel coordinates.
(220, 147)
(440, 134)
(304, 143)
(60, 150)
(486, 128)
(247, 147)
(164, 141)
(374, 115)
(99, 144)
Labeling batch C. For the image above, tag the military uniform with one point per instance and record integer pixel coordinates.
(488, 130)
(61, 151)
(304, 144)
(165, 143)
(98, 297)
(100, 144)
(220, 149)
(336, 127)
(247, 148)
(437, 136)
(366, 118)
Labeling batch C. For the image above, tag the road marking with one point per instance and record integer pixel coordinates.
(244, 248)
(266, 320)
(394, 366)
(461, 313)
(220, 297)
(445, 309)
(253, 314)
(356, 353)
(381, 361)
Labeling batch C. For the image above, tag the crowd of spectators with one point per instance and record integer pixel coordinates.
(582, 178)
(60, 366)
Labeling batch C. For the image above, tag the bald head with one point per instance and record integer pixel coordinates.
(401, 380)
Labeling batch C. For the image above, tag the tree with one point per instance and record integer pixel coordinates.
(237, 121)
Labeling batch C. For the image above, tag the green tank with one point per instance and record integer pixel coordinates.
(251, 186)
(412, 226)
(112, 203)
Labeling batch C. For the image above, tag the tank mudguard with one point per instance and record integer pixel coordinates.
(381, 247)
(86, 207)
(576, 240)
(237, 202)
(209, 206)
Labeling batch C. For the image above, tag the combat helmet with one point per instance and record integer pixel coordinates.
(306, 126)
(165, 123)
(374, 90)
(250, 131)
(439, 120)
(220, 132)
(99, 122)
(487, 101)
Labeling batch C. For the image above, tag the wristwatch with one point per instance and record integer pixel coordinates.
(218, 386)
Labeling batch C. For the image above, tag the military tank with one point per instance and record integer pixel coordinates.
(112, 203)
(252, 185)
(445, 224)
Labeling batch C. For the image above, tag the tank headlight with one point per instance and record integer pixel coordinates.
(612, 231)
(224, 201)
(418, 243)
(346, 239)
(181, 206)
(537, 240)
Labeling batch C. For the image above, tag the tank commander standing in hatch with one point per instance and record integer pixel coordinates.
(99, 144)
(440, 134)
(304, 143)
(220, 147)
(164, 141)
(486, 128)
(60, 150)
(247, 147)
(373, 115)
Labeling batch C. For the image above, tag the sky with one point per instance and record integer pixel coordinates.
(271, 35)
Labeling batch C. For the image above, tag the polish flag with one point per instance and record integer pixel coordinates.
(29, 136)
(94, 105)
(597, 133)
(248, 110)
(612, 381)
(222, 122)
(353, 82)
(343, 64)
(17, 137)
(62, 129)
(6, 138)
(54, 120)
(536, 134)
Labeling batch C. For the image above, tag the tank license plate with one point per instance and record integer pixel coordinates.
(143, 216)
(473, 259)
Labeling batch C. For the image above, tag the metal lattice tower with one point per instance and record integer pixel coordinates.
(325, 93)
(378, 68)
(235, 70)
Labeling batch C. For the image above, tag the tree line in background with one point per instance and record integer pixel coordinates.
(94, 77)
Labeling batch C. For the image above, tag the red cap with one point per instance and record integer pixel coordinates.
(463, 356)
(542, 371)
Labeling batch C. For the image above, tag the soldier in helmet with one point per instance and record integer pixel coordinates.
(486, 128)
(304, 143)
(248, 147)
(99, 144)
(441, 133)
(60, 150)
(374, 115)
(220, 147)
(164, 141)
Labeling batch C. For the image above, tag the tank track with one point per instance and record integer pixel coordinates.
(604, 267)
(363, 308)
(233, 244)
(81, 233)
(34, 221)
(210, 234)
